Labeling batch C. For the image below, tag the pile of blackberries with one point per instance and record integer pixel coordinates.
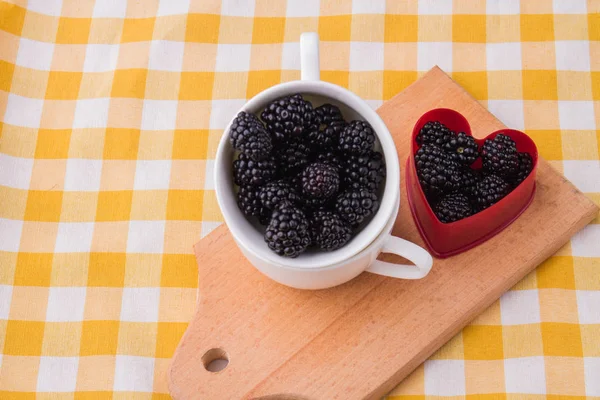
(456, 190)
(308, 175)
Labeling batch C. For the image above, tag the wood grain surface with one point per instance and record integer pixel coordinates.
(360, 339)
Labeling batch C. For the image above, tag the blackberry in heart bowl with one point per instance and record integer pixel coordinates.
(458, 179)
(523, 169)
(464, 190)
(490, 191)
(469, 179)
(462, 148)
(437, 171)
(500, 156)
(306, 173)
(434, 133)
(453, 207)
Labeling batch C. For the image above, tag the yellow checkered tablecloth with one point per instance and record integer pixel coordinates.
(110, 116)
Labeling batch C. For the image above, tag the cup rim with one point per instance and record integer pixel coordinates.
(242, 229)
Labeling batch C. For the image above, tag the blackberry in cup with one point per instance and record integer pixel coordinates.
(304, 172)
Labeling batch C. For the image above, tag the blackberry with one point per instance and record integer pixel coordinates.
(265, 216)
(320, 181)
(330, 124)
(293, 156)
(357, 138)
(287, 233)
(523, 170)
(248, 135)
(326, 136)
(249, 172)
(327, 113)
(249, 202)
(366, 171)
(434, 132)
(453, 207)
(469, 180)
(295, 181)
(329, 230)
(274, 193)
(289, 117)
(329, 157)
(354, 205)
(500, 156)
(462, 147)
(436, 170)
(490, 190)
(310, 204)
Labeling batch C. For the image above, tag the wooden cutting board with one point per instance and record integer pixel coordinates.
(359, 340)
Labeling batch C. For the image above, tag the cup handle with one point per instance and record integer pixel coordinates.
(419, 256)
(309, 57)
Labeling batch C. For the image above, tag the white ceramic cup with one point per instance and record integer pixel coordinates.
(313, 269)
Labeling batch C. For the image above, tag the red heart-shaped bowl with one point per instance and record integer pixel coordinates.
(444, 240)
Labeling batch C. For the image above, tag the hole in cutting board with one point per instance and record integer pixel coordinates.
(215, 360)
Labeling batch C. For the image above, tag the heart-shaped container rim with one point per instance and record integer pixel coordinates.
(444, 240)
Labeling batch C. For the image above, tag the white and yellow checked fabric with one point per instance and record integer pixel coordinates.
(110, 115)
